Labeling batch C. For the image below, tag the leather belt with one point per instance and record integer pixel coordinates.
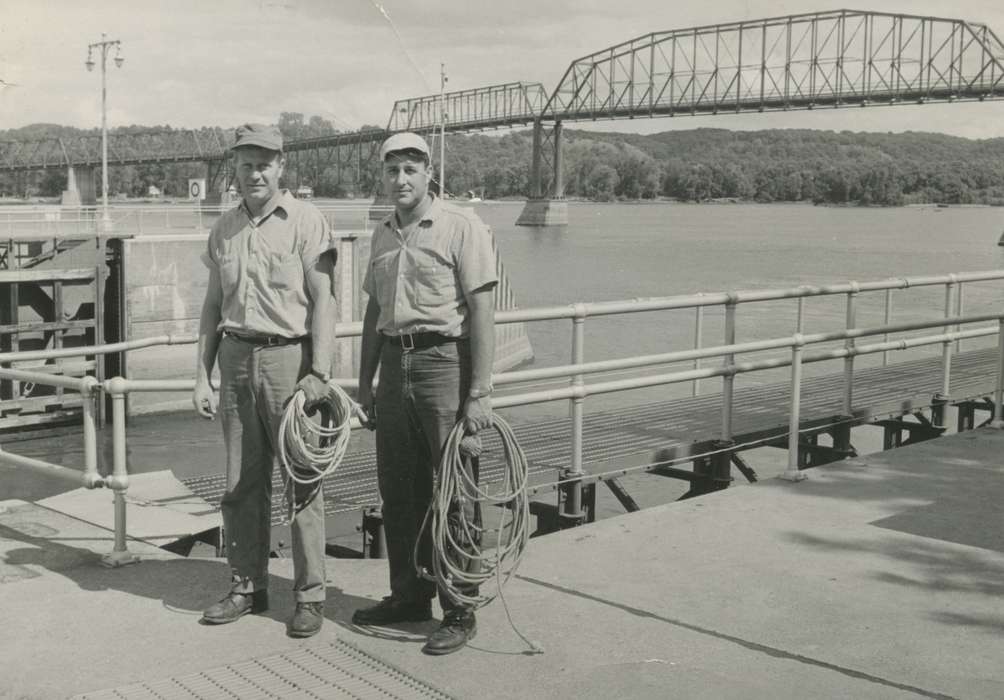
(419, 341)
(266, 340)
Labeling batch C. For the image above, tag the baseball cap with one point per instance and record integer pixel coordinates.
(405, 141)
(261, 135)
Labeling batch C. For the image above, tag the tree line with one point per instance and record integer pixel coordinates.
(823, 167)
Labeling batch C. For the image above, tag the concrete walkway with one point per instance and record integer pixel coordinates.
(879, 577)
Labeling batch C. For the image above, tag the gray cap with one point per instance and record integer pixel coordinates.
(260, 135)
(405, 141)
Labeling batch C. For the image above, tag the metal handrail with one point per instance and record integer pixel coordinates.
(88, 387)
(578, 391)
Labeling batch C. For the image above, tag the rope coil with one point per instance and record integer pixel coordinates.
(309, 451)
(460, 561)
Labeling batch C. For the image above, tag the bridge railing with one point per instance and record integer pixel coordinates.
(577, 392)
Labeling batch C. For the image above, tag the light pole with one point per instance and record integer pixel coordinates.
(104, 46)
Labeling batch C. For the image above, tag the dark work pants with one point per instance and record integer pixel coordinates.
(419, 399)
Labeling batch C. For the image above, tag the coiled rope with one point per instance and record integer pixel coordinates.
(309, 451)
(460, 561)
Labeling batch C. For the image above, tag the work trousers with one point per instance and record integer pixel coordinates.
(419, 399)
(256, 382)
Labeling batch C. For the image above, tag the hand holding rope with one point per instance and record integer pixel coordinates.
(310, 451)
(459, 561)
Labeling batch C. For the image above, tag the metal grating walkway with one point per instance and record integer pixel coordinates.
(760, 412)
(339, 670)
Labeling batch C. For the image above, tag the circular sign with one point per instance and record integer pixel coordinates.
(195, 189)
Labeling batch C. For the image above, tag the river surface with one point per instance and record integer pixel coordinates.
(623, 251)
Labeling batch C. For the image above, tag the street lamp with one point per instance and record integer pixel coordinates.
(104, 46)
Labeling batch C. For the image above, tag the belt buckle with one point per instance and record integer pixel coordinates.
(271, 341)
(410, 345)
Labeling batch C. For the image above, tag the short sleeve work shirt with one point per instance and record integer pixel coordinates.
(420, 279)
(263, 266)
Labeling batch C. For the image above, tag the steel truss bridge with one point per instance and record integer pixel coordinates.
(835, 59)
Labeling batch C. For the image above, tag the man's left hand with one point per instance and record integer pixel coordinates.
(478, 414)
(315, 392)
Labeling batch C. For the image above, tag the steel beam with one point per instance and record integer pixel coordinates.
(834, 59)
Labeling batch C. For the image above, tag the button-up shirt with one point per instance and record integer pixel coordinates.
(263, 262)
(420, 278)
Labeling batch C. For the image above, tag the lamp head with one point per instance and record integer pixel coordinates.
(119, 61)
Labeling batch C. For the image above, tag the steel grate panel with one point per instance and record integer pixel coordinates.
(338, 670)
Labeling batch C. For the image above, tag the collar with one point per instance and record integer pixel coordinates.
(431, 214)
(281, 201)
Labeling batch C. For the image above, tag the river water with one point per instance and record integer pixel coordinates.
(624, 251)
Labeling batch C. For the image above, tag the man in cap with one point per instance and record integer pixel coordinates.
(269, 319)
(429, 327)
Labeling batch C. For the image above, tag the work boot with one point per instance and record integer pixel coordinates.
(307, 619)
(458, 628)
(391, 610)
(234, 606)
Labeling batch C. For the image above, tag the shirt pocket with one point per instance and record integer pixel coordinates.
(435, 285)
(285, 271)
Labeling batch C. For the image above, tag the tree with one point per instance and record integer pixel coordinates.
(602, 183)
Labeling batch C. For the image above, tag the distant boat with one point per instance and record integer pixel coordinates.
(304, 192)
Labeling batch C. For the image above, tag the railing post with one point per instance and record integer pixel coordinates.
(849, 344)
(888, 320)
(698, 344)
(940, 401)
(998, 421)
(960, 308)
(573, 513)
(119, 480)
(791, 472)
(89, 395)
(728, 380)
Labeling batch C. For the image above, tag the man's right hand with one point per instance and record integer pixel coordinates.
(204, 400)
(368, 406)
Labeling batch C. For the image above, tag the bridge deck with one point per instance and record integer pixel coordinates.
(681, 425)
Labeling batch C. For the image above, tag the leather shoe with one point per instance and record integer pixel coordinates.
(234, 606)
(391, 610)
(458, 628)
(307, 620)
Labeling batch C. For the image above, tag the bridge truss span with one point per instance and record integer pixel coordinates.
(841, 58)
(124, 148)
(503, 105)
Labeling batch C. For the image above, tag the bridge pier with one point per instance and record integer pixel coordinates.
(541, 209)
(80, 190)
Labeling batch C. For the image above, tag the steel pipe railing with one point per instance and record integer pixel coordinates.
(88, 387)
(577, 391)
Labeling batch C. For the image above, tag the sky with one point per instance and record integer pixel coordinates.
(191, 63)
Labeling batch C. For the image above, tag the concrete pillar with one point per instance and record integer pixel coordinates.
(80, 190)
(559, 163)
(542, 210)
(535, 162)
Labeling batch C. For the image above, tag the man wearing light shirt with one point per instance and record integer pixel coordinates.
(429, 327)
(269, 319)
